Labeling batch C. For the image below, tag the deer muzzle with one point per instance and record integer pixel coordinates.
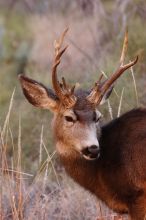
(91, 152)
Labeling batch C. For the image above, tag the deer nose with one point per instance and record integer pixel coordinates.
(91, 152)
(94, 149)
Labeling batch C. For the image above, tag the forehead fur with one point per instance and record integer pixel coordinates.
(83, 109)
(82, 103)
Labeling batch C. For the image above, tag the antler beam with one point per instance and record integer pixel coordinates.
(100, 88)
(64, 92)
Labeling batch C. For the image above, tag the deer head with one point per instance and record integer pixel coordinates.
(76, 122)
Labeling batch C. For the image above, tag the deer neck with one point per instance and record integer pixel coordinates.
(81, 170)
(89, 175)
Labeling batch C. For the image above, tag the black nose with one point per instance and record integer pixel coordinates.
(91, 152)
(94, 149)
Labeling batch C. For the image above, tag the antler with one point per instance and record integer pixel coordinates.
(100, 88)
(64, 92)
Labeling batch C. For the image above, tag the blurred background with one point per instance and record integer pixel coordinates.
(28, 29)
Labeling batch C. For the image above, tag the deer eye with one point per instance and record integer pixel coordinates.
(96, 118)
(69, 119)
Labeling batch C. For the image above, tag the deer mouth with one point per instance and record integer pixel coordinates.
(91, 153)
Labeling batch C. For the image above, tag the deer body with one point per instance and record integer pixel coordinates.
(118, 176)
(109, 160)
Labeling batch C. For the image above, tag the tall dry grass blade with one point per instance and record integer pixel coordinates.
(12, 139)
(19, 145)
(105, 75)
(13, 171)
(135, 86)
(120, 103)
(45, 177)
(50, 160)
(40, 170)
(12, 199)
(12, 167)
(110, 110)
(6, 178)
(18, 174)
(15, 213)
(37, 177)
(124, 49)
(41, 143)
(8, 114)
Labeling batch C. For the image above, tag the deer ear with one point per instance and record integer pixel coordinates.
(107, 95)
(38, 95)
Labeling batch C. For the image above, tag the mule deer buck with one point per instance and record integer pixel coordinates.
(108, 160)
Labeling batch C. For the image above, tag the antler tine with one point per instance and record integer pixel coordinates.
(100, 78)
(121, 68)
(117, 74)
(55, 82)
(58, 54)
(60, 41)
(101, 88)
(64, 83)
(73, 89)
(62, 91)
(94, 95)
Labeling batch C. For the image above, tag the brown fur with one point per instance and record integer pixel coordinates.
(118, 177)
